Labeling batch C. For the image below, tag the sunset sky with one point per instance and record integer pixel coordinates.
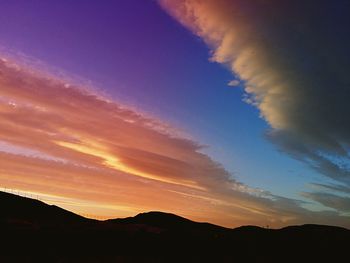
(233, 112)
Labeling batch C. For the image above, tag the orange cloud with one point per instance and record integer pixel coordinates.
(92, 155)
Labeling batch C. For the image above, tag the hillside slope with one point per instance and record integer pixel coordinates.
(32, 231)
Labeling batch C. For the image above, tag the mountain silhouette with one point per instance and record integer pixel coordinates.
(32, 231)
(18, 210)
(167, 221)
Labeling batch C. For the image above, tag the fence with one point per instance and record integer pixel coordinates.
(48, 200)
(20, 193)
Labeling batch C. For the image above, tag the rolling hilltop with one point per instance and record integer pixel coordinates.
(32, 231)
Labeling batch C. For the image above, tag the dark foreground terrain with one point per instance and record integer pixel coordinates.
(32, 231)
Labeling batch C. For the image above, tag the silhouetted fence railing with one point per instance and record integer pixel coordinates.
(48, 200)
(20, 193)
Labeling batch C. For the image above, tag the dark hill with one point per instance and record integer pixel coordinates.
(167, 221)
(32, 231)
(25, 211)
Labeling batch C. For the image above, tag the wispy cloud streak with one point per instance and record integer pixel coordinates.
(61, 140)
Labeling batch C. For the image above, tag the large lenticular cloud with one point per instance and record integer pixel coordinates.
(294, 65)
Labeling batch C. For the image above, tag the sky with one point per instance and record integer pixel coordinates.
(228, 111)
